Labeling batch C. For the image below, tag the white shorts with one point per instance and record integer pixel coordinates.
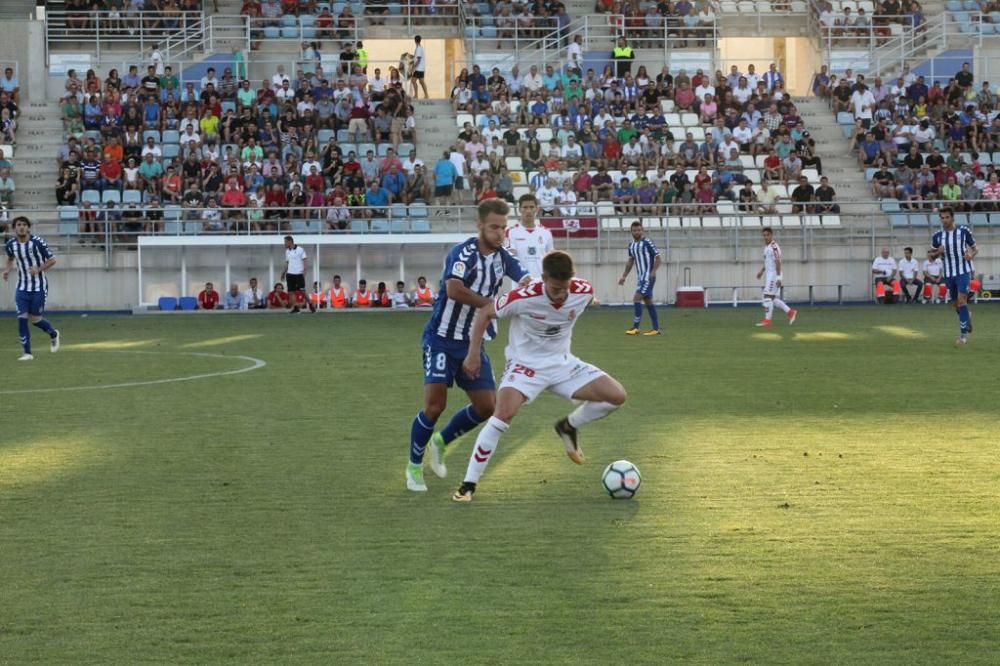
(564, 380)
(771, 287)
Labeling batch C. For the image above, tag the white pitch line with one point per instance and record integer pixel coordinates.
(257, 364)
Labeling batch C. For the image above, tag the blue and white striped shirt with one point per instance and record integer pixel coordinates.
(31, 254)
(955, 243)
(644, 253)
(482, 274)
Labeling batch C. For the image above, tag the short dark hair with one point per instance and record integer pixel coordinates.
(944, 210)
(289, 238)
(422, 278)
(557, 265)
(336, 277)
(21, 218)
(767, 229)
(527, 197)
(635, 224)
(908, 249)
(363, 281)
(492, 206)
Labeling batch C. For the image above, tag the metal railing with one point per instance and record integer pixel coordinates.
(523, 46)
(100, 31)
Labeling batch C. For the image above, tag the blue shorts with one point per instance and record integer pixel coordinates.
(443, 365)
(645, 287)
(958, 284)
(29, 303)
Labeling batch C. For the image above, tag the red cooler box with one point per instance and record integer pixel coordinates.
(690, 297)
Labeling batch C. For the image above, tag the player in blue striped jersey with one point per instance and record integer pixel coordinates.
(957, 248)
(32, 257)
(645, 258)
(473, 274)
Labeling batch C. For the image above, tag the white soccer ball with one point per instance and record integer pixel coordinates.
(621, 479)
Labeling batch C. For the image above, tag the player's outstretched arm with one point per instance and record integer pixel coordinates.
(46, 265)
(472, 362)
(458, 292)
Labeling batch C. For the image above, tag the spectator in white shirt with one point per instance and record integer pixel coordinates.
(884, 269)
(863, 103)
(572, 152)
(533, 81)
(254, 297)
(547, 195)
(567, 200)
(908, 276)
(411, 163)
(279, 78)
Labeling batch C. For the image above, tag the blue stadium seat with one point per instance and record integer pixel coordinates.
(228, 105)
(404, 149)
(291, 33)
(171, 136)
(132, 196)
(398, 211)
(151, 133)
(380, 225)
(93, 196)
(978, 220)
(289, 21)
(961, 219)
(420, 226)
(383, 149)
(193, 228)
(890, 205)
(69, 220)
(167, 303)
(336, 8)
(363, 149)
(271, 32)
(954, 5)
(845, 118)
(919, 220)
(342, 136)
(899, 221)
(995, 219)
(395, 8)
(188, 303)
(418, 210)
(170, 151)
(471, 32)
(399, 225)
(359, 226)
(488, 32)
(324, 135)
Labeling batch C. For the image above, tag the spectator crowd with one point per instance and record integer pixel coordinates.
(233, 153)
(635, 139)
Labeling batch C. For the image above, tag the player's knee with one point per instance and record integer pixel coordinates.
(485, 407)
(616, 395)
(433, 408)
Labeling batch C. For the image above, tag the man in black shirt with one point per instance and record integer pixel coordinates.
(964, 78)
(151, 82)
(802, 195)
(842, 96)
(883, 182)
(824, 197)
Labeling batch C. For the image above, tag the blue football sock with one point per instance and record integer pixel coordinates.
(46, 326)
(420, 434)
(22, 328)
(462, 422)
(963, 319)
(652, 315)
(637, 313)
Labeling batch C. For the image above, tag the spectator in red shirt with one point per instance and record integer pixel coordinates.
(111, 175)
(278, 298)
(208, 299)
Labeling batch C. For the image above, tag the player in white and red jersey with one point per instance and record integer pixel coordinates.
(542, 315)
(771, 272)
(529, 241)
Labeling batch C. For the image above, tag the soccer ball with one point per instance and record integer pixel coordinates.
(621, 479)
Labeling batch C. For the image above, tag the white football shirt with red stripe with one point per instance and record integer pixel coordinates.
(540, 330)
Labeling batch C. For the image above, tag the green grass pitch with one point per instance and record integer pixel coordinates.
(822, 493)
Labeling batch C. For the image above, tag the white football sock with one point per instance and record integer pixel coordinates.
(486, 443)
(781, 304)
(768, 309)
(590, 411)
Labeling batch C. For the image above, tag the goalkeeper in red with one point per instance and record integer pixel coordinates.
(542, 315)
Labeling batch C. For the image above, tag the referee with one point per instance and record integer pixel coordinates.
(295, 273)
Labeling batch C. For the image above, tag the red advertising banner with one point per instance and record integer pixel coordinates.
(577, 227)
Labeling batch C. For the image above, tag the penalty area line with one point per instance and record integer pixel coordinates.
(255, 364)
